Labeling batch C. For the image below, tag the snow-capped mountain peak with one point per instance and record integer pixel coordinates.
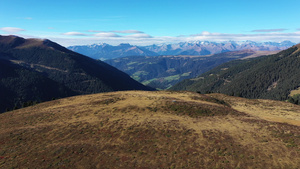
(106, 51)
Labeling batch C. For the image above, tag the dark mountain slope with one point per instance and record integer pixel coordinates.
(48, 60)
(78, 72)
(269, 77)
(19, 85)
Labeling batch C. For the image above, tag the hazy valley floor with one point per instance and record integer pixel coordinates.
(138, 129)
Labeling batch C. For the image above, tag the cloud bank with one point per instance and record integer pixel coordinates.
(137, 37)
(128, 31)
(269, 30)
(106, 34)
(145, 39)
(141, 35)
(267, 36)
(11, 29)
(111, 34)
(74, 34)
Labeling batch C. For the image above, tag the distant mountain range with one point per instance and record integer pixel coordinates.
(105, 51)
(39, 70)
(267, 77)
(162, 72)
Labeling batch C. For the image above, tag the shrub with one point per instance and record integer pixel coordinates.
(295, 99)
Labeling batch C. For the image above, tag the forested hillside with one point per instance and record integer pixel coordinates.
(20, 87)
(268, 77)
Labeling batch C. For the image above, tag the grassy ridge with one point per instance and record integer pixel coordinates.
(151, 130)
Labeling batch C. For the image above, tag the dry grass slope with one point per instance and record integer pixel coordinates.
(137, 129)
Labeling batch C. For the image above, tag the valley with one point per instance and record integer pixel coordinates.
(162, 72)
(125, 126)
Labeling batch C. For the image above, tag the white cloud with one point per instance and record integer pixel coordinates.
(140, 35)
(106, 34)
(269, 30)
(273, 36)
(128, 31)
(11, 29)
(118, 31)
(95, 31)
(142, 39)
(204, 33)
(75, 34)
(180, 36)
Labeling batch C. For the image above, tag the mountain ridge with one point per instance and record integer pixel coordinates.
(104, 51)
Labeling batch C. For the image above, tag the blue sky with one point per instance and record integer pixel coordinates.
(144, 22)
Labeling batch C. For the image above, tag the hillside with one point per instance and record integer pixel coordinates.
(138, 129)
(20, 85)
(41, 64)
(162, 72)
(268, 77)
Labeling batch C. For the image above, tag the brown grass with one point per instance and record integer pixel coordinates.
(273, 111)
(261, 53)
(294, 92)
(137, 129)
